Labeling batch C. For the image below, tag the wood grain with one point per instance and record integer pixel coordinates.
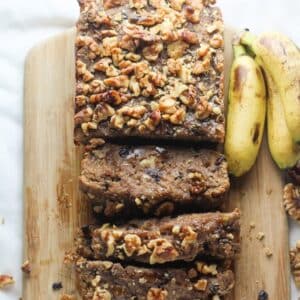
(53, 208)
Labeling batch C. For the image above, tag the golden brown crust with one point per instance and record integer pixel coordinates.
(149, 69)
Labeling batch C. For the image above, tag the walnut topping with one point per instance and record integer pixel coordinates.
(295, 263)
(157, 294)
(152, 52)
(206, 269)
(111, 3)
(134, 86)
(163, 251)
(203, 109)
(138, 4)
(174, 66)
(202, 51)
(176, 229)
(189, 37)
(111, 97)
(179, 88)
(83, 116)
(6, 280)
(117, 82)
(291, 201)
(177, 4)
(135, 111)
(108, 238)
(112, 71)
(216, 41)
(192, 14)
(176, 49)
(178, 117)
(201, 285)
(83, 71)
(190, 236)
(132, 244)
(101, 294)
(96, 280)
(117, 121)
(167, 105)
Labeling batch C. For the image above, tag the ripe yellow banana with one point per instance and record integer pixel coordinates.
(280, 57)
(246, 113)
(284, 150)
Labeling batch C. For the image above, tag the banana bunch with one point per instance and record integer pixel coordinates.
(279, 60)
(246, 112)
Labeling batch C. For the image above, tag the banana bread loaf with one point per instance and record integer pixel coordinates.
(149, 69)
(111, 281)
(158, 241)
(135, 180)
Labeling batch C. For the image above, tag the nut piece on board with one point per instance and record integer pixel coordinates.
(295, 263)
(291, 200)
(6, 280)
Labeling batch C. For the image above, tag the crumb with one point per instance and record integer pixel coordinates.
(67, 297)
(57, 286)
(260, 235)
(26, 268)
(70, 257)
(268, 252)
(252, 225)
(6, 280)
(263, 295)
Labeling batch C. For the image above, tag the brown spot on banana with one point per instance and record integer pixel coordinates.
(256, 133)
(240, 77)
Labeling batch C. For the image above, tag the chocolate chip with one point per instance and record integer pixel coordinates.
(124, 152)
(263, 295)
(57, 286)
(154, 173)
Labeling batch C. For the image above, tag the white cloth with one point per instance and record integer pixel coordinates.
(23, 23)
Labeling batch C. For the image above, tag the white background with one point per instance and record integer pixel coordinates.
(23, 23)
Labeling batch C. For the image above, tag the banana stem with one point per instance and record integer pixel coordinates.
(247, 39)
(239, 50)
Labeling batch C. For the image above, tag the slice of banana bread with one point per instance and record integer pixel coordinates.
(151, 69)
(158, 241)
(111, 281)
(135, 180)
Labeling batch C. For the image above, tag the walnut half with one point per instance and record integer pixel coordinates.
(291, 200)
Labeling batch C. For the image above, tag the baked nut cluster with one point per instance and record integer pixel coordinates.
(295, 263)
(149, 68)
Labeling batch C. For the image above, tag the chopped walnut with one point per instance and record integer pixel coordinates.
(102, 112)
(134, 86)
(167, 105)
(101, 294)
(102, 65)
(177, 4)
(295, 263)
(138, 4)
(153, 120)
(202, 51)
(157, 294)
(6, 280)
(190, 236)
(178, 117)
(201, 285)
(206, 269)
(176, 49)
(216, 41)
(84, 115)
(203, 109)
(96, 281)
(174, 66)
(108, 238)
(117, 82)
(135, 111)
(163, 251)
(26, 268)
(192, 14)
(291, 201)
(132, 244)
(189, 37)
(152, 52)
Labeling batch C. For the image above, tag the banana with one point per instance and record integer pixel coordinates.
(246, 113)
(280, 57)
(285, 152)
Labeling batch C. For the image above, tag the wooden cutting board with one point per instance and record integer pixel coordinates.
(54, 209)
